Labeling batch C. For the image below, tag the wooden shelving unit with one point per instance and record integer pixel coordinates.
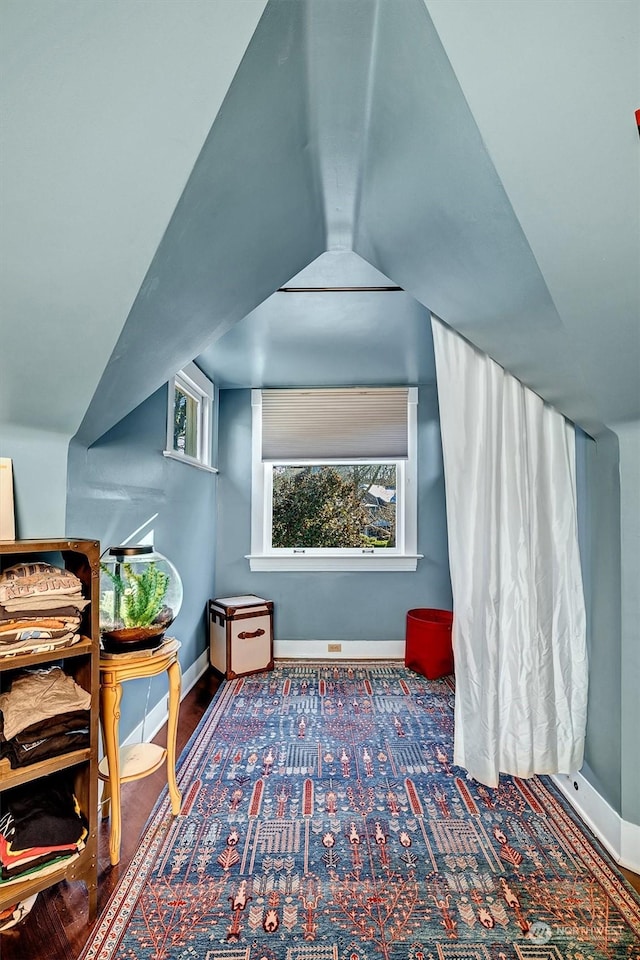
(81, 662)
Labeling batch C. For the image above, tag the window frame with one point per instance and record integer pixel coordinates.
(265, 558)
(196, 385)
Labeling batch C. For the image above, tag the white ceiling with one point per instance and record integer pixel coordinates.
(489, 166)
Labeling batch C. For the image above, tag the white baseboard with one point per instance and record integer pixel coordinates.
(349, 650)
(620, 837)
(630, 846)
(157, 716)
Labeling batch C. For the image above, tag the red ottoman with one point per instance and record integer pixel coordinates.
(428, 648)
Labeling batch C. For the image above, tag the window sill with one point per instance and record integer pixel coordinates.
(314, 564)
(190, 462)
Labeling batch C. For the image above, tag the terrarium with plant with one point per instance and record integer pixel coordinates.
(140, 596)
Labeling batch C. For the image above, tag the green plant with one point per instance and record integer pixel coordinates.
(139, 596)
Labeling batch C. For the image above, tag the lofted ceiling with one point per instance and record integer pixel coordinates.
(167, 168)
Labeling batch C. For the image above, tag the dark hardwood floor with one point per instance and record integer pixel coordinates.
(57, 927)
(632, 878)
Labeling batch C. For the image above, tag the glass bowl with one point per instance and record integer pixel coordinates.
(140, 597)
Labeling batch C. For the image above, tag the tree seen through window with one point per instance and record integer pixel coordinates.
(334, 505)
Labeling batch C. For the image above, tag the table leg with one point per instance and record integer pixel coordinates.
(174, 675)
(105, 799)
(111, 695)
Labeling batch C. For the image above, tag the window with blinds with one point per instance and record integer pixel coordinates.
(334, 478)
(335, 424)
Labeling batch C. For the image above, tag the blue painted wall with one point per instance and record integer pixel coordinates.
(629, 441)
(598, 488)
(331, 606)
(123, 483)
(203, 524)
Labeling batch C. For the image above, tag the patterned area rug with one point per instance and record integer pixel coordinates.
(323, 820)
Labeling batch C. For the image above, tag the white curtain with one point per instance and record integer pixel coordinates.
(519, 619)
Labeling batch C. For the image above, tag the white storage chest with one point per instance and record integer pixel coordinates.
(240, 635)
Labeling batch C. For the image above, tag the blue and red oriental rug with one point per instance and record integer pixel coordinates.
(323, 819)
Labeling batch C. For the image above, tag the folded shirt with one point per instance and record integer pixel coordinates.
(9, 855)
(47, 738)
(29, 579)
(29, 628)
(36, 644)
(14, 863)
(38, 695)
(33, 606)
(24, 754)
(37, 872)
(40, 608)
(42, 813)
(61, 723)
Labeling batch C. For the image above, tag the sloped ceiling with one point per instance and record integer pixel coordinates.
(553, 88)
(105, 106)
(483, 156)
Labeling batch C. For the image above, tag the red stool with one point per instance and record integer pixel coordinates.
(428, 647)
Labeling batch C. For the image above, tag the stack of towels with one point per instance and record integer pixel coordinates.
(40, 608)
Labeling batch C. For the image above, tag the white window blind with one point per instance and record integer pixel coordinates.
(335, 424)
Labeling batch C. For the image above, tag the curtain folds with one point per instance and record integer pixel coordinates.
(519, 616)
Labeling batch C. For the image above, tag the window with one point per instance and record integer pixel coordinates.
(334, 479)
(190, 417)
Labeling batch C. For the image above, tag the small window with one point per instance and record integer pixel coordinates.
(190, 417)
(334, 479)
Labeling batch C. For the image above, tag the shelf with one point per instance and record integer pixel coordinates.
(15, 892)
(81, 662)
(80, 649)
(136, 761)
(13, 778)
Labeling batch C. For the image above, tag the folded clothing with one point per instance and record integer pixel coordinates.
(10, 856)
(38, 645)
(41, 608)
(43, 813)
(47, 738)
(38, 605)
(40, 628)
(41, 826)
(18, 866)
(38, 695)
(31, 579)
(37, 872)
(24, 754)
(50, 727)
(13, 914)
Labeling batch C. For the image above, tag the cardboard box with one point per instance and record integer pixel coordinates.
(7, 511)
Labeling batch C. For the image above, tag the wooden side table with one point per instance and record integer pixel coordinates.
(138, 760)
